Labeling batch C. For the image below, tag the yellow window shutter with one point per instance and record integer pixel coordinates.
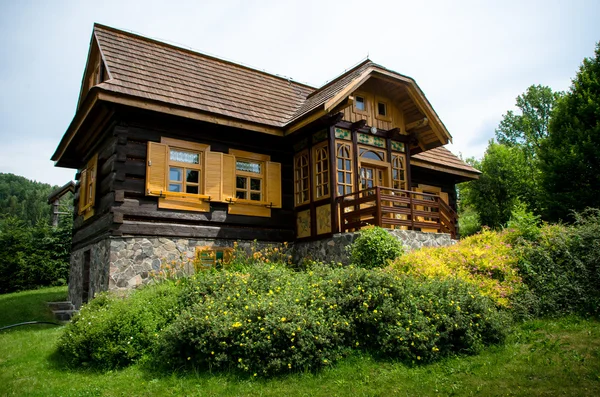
(156, 169)
(92, 170)
(82, 190)
(274, 184)
(228, 177)
(213, 175)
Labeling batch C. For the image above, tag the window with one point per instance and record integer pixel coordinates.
(175, 173)
(301, 178)
(372, 154)
(250, 176)
(398, 171)
(381, 109)
(185, 171)
(360, 103)
(321, 170)
(344, 168)
(87, 188)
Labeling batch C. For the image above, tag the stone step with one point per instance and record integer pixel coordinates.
(64, 315)
(66, 305)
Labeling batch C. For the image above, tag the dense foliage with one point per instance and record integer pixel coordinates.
(561, 266)
(374, 247)
(269, 319)
(570, 155)
(32, 256)
(25, 199)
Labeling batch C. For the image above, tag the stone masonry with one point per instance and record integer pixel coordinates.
(123, 263)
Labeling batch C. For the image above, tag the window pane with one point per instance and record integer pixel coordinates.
(255, 196)
(175, 174)
(191, 189)
(372, 155)
(184, 157)
(192, 176)
(254, 184)
(241, 182)
(242, 165)
(348, 179)
(360, 103)
(340, 190)
(340, 177)
(381, 109)
(348, 165)
(340, 164)
(173, 187)
(240, 195)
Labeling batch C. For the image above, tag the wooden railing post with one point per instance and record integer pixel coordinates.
(412, 214)
(378, 219)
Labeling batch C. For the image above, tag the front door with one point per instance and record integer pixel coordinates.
(372, 176)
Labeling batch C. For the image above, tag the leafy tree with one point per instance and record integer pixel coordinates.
(571, 153)
(504, 182)
(527, 131)
(25, 199)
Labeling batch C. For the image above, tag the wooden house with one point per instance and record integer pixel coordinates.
(176, 149)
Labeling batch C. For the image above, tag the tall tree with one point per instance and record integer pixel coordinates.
(526, 130)
(504, 182)
(570, 157)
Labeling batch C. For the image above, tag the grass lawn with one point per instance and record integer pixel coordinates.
(542, 357)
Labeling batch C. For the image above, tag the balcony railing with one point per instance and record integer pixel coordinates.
(396, 208)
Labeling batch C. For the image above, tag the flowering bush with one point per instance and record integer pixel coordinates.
(114, 331)
(374, 247)
(484, 260)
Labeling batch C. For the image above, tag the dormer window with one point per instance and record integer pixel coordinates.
(360, 103)
(381, 109)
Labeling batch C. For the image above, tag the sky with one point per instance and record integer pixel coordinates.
(471, 58)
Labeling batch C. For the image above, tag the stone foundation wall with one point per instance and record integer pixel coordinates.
(99, 272)
(123, 263)
(334, 248)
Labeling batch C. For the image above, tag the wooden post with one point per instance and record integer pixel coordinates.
(55, 213)
(412, 215)
(378, 221)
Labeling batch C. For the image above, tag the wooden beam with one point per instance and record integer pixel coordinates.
(417, 124)
(358, 125)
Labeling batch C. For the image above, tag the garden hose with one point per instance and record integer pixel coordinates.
(27, 323)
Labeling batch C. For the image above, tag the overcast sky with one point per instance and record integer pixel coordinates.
(471, 58)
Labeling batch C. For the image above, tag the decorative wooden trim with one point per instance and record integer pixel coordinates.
(249, 155)
(448, 170)
(178, 143)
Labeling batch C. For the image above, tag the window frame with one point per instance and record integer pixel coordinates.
(401, 158)
(185, 146)
(261, 159)
(87, 187)
(341, 145)
(322, 147)
(299, 178)
(387, 116)
(367, 101)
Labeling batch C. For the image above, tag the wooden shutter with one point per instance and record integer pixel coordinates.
(156, 169)
(228, 177)
(213, 175)
(92, 168)
(82, 191)
(274, 184)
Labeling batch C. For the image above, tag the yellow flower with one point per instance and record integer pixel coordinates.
(283, 319)
(239, 360)
(418, 357)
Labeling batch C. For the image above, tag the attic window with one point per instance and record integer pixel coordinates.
(360, 103)
(381, 109)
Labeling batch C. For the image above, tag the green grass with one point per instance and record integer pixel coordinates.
(542, 357)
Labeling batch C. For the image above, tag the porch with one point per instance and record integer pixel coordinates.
(396, 209)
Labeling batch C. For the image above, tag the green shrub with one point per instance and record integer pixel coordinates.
(523, 223)
(468, 222)
(562, 266)
(272, 320)
(113, 331)
(374, 247)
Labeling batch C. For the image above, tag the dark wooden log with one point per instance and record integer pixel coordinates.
(191, 231)
(96, 226)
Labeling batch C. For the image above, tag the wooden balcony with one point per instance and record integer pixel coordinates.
(396, 209)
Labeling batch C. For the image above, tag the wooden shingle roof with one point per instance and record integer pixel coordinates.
(443, 159)
(153, 70)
